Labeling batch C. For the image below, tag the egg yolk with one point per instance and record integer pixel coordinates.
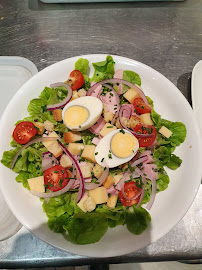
(123, 145)
(75, 116)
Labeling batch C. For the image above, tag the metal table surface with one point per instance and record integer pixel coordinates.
(163, 35)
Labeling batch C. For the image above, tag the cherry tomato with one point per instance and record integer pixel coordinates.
(24, 132)
(141, 107)
(76, 79)
(145, 129)
(130, 190)
(56, 178)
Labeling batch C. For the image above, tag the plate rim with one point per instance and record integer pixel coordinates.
(159, 74)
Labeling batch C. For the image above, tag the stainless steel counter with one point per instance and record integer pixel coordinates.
(163, 35)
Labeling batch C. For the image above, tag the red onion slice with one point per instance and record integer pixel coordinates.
(42, 139)
(153, 195)
(64, 101)
(127, 108)
(101, 180)
(115, 80)
(81, 188)
(139, 160)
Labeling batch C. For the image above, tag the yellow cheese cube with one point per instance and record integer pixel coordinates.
(80, 204)
(165, 131)
(117, 178)
(99, 195)
(36, 184)
(75, 148)
(131, 95)
(89, 153)
(146, 119)
(51, 135)
(107, 129)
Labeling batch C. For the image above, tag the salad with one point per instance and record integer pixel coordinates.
(94, 151)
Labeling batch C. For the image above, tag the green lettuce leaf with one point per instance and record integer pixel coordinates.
(137, 220)
(22, 178)
(103, 70)
(56, 223)
(36, 106)
(132, 77)
(87, 137)
(8, 156)
(82, 65)
(162, 181)
(86, 228)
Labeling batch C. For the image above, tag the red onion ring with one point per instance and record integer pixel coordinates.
(139, 160)
(42, 139)
(127, 108)
(153, 195)
(101, 180)
(64, 101)
(114, 80)
(81, 188)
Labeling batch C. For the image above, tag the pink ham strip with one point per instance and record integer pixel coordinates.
(76, 184)
(95, 129)
(119, 75)
(88, 180)
(149, 170)
(132, 108)
(112, 190)
(111, 101)
(96, 140)
(97, 90)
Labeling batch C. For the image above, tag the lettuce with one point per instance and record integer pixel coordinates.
(82, 65)
(8, 156)
(137, 220)
(162, 181)
(86, 228)
(87, 137)
(103, 70)
(22, 178)
(132, 77)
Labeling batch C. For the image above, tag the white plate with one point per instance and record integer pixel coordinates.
(170, 205)
(196, 91)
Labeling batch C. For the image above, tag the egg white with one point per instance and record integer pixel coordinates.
(94, 107)
(103, 149)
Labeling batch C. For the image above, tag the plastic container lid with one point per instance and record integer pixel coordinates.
(14, 72)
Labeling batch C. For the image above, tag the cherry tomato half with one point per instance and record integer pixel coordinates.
(24, 132)
(130, 190)
(141, 107)
(145, 129)
(56, 178)
(76, 79)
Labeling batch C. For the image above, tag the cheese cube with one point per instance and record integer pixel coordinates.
(111, 203)
(131, 95)
(107, 129)
(117, 178)
(75, 148)
(108, 182)
(80, 204)
(65, 161)
(36, 184)
(51, 135)
(86, 171)
(99, 195)
(89, 153)
(165, 131)
(146, 119)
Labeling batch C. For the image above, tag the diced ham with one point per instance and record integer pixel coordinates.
(110, 100)
(96, 91)
(88, 180)
(96, 140)
(95, 129)
(149, 170)
(112, 190)
(119, 75)
(76, 184)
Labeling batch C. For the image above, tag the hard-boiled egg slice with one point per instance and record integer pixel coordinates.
(116, 148)
(82, 113)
